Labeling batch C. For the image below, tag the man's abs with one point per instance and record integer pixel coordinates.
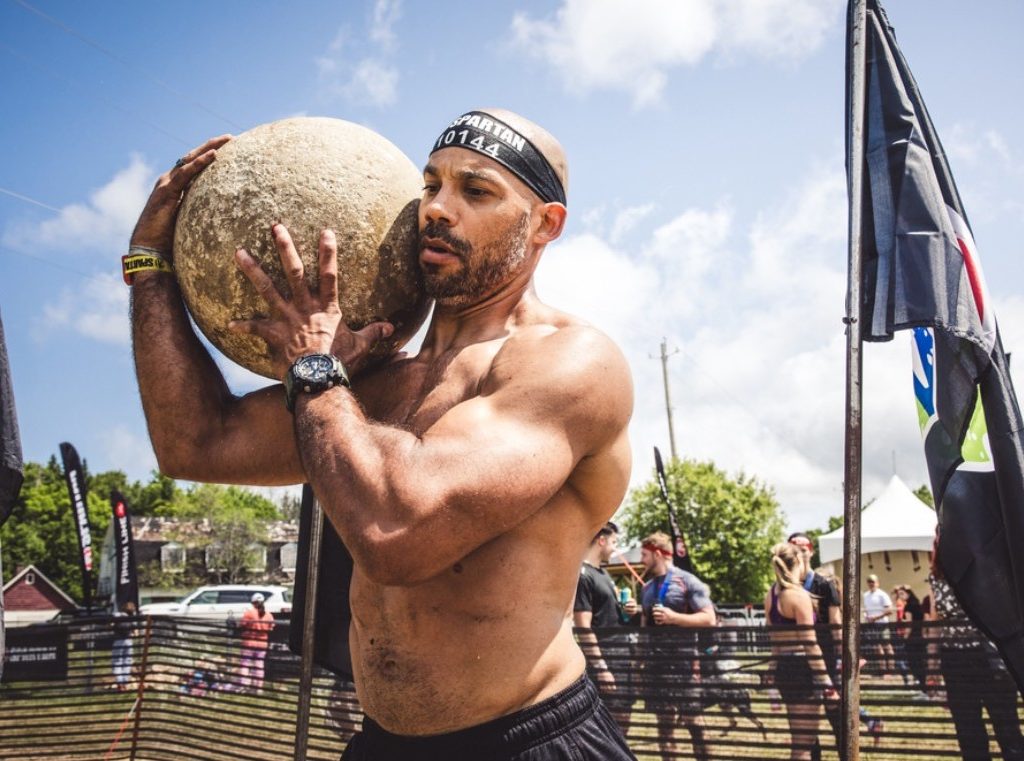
(489, 636)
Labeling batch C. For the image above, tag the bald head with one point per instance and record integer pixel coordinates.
(543, 140)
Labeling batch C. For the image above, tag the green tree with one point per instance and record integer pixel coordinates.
(924, 494)
(238, 524)
(41, 529)
(730, 525)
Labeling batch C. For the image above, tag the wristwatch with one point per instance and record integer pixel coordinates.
(311, 374)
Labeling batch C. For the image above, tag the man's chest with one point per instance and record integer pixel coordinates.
(414, 394)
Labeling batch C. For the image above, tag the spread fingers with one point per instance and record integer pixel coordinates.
(294, 271)
(260, 280)
(328, 269)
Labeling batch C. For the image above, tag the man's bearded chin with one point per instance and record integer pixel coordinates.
(482, 271)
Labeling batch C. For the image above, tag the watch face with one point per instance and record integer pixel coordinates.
(315, 368)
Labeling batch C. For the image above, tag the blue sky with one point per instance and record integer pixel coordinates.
(707, 194)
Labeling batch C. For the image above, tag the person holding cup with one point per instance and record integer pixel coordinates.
(674, 598)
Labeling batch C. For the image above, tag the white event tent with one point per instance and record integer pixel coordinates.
(896, 536)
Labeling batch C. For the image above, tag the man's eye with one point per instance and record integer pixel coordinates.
(475, 192)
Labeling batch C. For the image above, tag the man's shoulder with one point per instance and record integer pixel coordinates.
(568, 369)
(564, 345)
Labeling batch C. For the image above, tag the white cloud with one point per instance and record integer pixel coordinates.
(757, 383)
(971, 144)
(123, 446)
(385, 15)
(632, 47)
(102, 224)
(627, 219)
(96, 308)
(359, 67)
(373, 81)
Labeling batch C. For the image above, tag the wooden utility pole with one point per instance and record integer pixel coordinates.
(668, 399)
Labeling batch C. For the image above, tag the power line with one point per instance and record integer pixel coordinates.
(20, 197)
(49, 263)
(124, 62)
(78, 86)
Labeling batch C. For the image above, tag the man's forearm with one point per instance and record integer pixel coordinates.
(700, 618)
(354, 465)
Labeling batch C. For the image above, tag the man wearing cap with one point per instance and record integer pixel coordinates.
(255, 629)
(476, 470)
(877, 609)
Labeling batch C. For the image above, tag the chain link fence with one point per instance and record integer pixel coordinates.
(187, 691)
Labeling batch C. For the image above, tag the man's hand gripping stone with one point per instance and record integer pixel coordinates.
(309, 322)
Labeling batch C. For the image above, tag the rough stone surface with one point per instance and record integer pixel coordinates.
(309, 174)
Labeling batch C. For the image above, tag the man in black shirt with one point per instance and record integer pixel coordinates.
(598, 606)
(597, 600)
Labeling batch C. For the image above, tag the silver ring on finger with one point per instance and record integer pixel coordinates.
(180, 162)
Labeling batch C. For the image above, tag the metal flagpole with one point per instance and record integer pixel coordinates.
(850, 736)
(308, 631)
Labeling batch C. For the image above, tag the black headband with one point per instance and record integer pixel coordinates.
(481, 132)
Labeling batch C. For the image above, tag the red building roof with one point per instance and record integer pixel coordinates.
(31, 590)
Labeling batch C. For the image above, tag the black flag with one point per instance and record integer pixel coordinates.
(921, 270)
(333, 614)
(75, 478)
(680, 554)
(10, 442)
(126, 583)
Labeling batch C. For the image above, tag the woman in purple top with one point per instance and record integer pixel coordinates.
(799, 670)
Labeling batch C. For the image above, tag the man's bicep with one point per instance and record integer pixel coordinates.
(483, 455)
(582, 619)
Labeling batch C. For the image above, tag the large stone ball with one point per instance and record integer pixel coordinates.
(309, 174)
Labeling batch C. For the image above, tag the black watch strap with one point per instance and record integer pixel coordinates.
(312, 374)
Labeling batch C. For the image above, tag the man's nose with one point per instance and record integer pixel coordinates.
(438, 208)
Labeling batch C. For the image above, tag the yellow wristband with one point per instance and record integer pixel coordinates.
(142, 259)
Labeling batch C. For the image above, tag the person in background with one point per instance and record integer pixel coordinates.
(674, 598)
(121, 652)
(877, 609)
(799, 671)
(255, 626)
(975, 678)
(898, 636)
(824, 592)
(599, 606)
(913, 643)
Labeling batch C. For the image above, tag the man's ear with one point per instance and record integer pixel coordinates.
(552, 222)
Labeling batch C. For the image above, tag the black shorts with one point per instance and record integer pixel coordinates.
(570, 726)
(794, 679)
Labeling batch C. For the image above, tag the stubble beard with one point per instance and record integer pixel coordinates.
(482, 271)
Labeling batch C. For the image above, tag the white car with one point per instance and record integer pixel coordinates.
(224, 602)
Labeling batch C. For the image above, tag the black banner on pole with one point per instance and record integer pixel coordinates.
(126, 583)
(680, 554)
(333, 614)
(75, 478)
